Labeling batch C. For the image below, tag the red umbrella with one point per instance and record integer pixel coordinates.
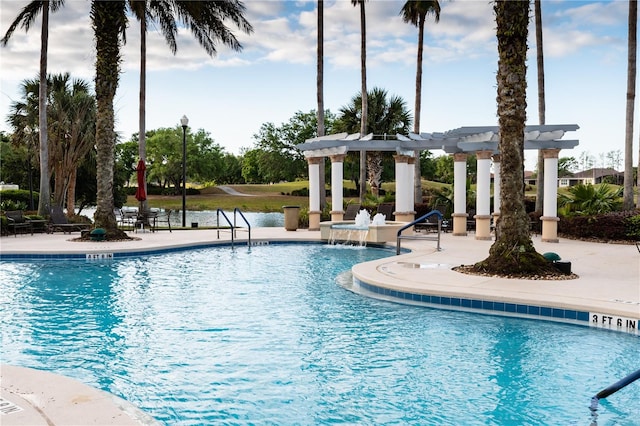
(141, 194)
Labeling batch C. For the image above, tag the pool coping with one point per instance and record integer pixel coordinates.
(420, 277)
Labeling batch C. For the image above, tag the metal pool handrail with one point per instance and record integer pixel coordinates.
(614, 388)
(218, 212)
(416, 237)
(237, 210)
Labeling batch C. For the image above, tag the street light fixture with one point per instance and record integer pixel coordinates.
(28, 131)
(184, 121)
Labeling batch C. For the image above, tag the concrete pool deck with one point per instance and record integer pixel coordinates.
(608, 286)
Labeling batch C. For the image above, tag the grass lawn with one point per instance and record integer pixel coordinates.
(258, 198)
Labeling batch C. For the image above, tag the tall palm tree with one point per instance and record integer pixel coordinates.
(386, 115)
(415, 12)
(25, 19)
(631, 98)
(109, 23)
(71, 133)
(363, 91)
(541, 102)
(320, 95)
(206, 20)
(512, 252)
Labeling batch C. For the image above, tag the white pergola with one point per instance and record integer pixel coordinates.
(481, 140)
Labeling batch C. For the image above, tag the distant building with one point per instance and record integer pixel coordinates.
(591, 176)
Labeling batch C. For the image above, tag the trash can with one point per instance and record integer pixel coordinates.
(291, 217)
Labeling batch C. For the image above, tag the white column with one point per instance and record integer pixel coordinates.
(337, 177)
(314, 192)
(411, 170)
(496, 184)
(483, 184)
(483, 195)
(550, 204)
(314, 183)
(550, 201)
(459, 194)
(402, 176)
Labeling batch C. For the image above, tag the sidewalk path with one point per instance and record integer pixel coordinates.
(232, 191)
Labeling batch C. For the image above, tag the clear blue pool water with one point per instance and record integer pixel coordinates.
(266, 336)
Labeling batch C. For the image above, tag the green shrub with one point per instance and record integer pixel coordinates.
(633, 226)
(614, 226)
(17, 199)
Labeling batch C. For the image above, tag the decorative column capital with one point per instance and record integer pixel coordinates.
(315, 160)
(401, 158)
(459, 156)
(550, 152)
(496, 158)
(484, 154)
(337, 158)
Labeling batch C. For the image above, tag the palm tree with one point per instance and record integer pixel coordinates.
(512, 253)
(71, 133)
(415, 13)
(590, 199)
(109, 23)
(25, 19)
(363, 91)
(197, 17)
(541, 102)
(320, 93)
(631, 98)
(71, 112)
(206, 20)
(386, 116)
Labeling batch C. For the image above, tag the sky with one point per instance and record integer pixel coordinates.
(232, 94)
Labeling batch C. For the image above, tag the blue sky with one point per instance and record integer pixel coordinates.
(232, 94)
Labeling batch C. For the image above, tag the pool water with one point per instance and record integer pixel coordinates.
(266, 336)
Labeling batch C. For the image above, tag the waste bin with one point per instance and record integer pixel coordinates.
(291, 216)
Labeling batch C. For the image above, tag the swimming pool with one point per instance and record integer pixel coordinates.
(266, 336)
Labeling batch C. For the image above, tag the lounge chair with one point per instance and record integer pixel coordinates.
(59, 222)
(351, 212)
(17, 221)
(126, 218)
(152, 218)
(387, 210)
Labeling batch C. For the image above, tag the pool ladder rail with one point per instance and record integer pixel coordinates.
(613, 389)
(421, 220)
(233, 227)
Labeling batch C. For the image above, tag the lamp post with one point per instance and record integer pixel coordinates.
(29, 132)
(184, 121)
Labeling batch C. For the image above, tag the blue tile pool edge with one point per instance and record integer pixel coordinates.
(482, 306)
(121, 254)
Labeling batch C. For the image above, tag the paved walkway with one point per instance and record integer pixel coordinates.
(608, 288)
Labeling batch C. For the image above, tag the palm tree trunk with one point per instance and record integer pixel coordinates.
(541, 103)
(320, 98)
(45, 191)
(106, 23)
(71, 191)
(627, 197)
(512, 252)
(364, 109)
(417, 183)
(142, 145)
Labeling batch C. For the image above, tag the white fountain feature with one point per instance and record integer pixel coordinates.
(358, 231)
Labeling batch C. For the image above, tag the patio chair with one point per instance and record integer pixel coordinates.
(351, 212)
(59, 222)
(17, 221)
(126, 218)
(386, 209)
